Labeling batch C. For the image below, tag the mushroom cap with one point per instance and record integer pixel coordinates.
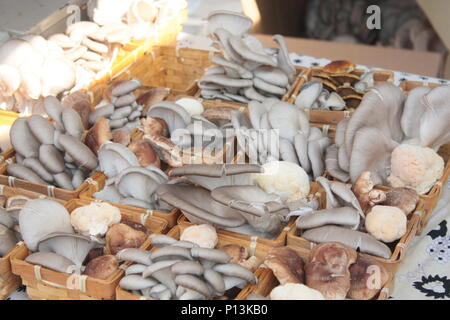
(138, 183)
(121, 236)
(286, 265)
(95, 218)
(23, 140)
(40, 218)
(309, 93)
(42, 129)
(98, 134)
(198, 206)
(205, 235)
(236, 23)
(386, 223)
(79, 152)
(72, 123)
(8, 240)
(413, 110)
(288, 120)
(102, 267)
(344, 216)
(294, 291)
(251, 199)
(339, 66)
(22, 172)
(285, 179)
(357, 240)
(217, 175)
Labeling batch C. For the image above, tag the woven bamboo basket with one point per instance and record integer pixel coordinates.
(134, 52)
(399, 248)
(254, 249)
(51, 191)
(432, 197)
(267, 280)
(140, 214)
(7, 118)
(328, 116)
(45, 284)
(278, 241)
(9, 282)
(177, 69)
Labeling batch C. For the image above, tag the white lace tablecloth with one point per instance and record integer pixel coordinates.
(425, 271)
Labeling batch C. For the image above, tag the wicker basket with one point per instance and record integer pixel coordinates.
(8, 281)
(334, 117)
(399, 250)
(45, 284)
(254, 249)
(267, 280)
(48, 190)
(281, 238)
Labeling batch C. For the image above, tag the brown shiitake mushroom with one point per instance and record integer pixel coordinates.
(345, 78)
(81, 103)
(237, 253)
(121, 136)
(145, 153)
(403, 198)
(93, 253)
(330, 86)
(339, 66)
(367, 277)
(328, 270)
(155, 126)
(151, 97)
(286, 265)
(120, 236)
(136, 226)
(102, 267)
(98, 134)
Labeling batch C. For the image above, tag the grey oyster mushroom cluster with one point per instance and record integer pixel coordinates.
(128, 182)
(47, 232)
(122, 111)
(393, 137)
(245, 70)
(37, 68)
(189, 133)
(226, 197)
(51, 153)
(9, 222)
(181, 270)
(297, 142)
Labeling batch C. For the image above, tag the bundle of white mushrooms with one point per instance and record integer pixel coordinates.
(245, 70)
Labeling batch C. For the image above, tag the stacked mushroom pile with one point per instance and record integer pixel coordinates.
(335, 87)
(182, 132)
(31, 68)
(393, 138)
(182, 270)
(246, 70)
(226, 196)
(85, 241)
(121, 108)
(128, 182)
(51, 153)
(334, 272)
(363, 219)
(282, 131)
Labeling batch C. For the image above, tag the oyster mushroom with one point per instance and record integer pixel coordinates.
(286, 265)
(344, 216)
(23, 140)
(175, 116)
(22, 172)
(79, 152)
(236, 23)
(367, 277)
(198, 206)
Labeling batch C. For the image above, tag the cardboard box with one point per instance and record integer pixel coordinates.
(423, 63)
